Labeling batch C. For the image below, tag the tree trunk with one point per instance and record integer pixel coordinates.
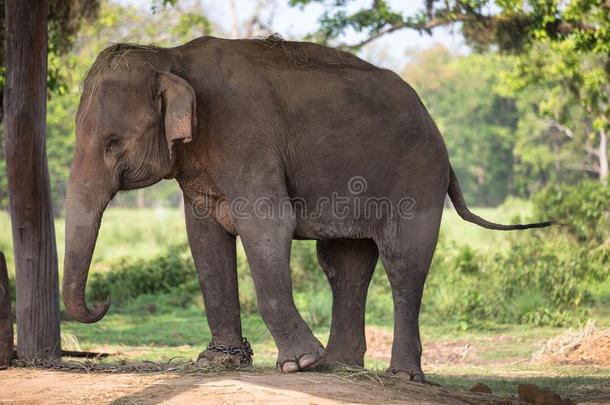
(603, 156)
(6, 317)
(28, 179)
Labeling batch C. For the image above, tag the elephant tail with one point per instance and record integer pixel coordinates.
(455, 193)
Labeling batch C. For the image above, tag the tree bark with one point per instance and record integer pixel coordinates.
(6, 317)
(28, 179)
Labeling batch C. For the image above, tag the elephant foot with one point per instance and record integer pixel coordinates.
(290, 361)
(226, 357)
(340, 360)
(414, 374)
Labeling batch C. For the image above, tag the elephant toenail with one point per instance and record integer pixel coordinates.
(307, 360)
(289, 367)
(418, 378)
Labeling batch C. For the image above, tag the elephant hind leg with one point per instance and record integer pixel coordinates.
(406, 252)
(349, 266)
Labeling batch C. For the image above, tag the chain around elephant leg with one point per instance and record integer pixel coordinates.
(218, 355)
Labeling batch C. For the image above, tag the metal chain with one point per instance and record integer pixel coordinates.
(244, 351)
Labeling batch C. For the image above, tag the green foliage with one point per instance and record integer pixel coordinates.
(160, 4)
(192, 25)
(510, 24)
(503, 141)
(546, 277)
(466, 261)
(172, 271)
(541, 284)
(315, 305)
(533, 282)
(584, 209)
(570, 90)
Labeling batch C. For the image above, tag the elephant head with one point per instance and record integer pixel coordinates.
(130, 116)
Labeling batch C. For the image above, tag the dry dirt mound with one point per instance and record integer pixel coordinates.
(35, 386)
(587, 346)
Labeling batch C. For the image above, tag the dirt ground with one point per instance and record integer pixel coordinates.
(33, 386)
(588, 346)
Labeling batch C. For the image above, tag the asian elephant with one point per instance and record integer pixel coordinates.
(270, 140)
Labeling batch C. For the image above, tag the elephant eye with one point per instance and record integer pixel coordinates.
(112, 143)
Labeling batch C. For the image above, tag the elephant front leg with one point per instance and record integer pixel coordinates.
(213, 250)
(267, 244)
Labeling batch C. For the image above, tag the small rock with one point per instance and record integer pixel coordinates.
(541, 396)
(480, 387)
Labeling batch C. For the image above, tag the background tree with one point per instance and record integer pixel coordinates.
(28, 180)
(575, 94)
(508, 24)
(546, 151)
(65, 18)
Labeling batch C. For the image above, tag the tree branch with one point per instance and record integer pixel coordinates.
(561, 27)
(561, 128)
(427, 27)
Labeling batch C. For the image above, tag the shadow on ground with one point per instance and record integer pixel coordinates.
(308, 387)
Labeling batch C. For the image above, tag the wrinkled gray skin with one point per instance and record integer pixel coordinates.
(263, 120)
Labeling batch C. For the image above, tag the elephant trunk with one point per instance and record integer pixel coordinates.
(83, 218)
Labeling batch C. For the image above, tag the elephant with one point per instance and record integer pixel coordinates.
(271, 141)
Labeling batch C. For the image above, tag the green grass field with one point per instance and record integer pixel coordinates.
(163, 327)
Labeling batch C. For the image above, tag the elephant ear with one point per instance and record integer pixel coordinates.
(178, 108)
